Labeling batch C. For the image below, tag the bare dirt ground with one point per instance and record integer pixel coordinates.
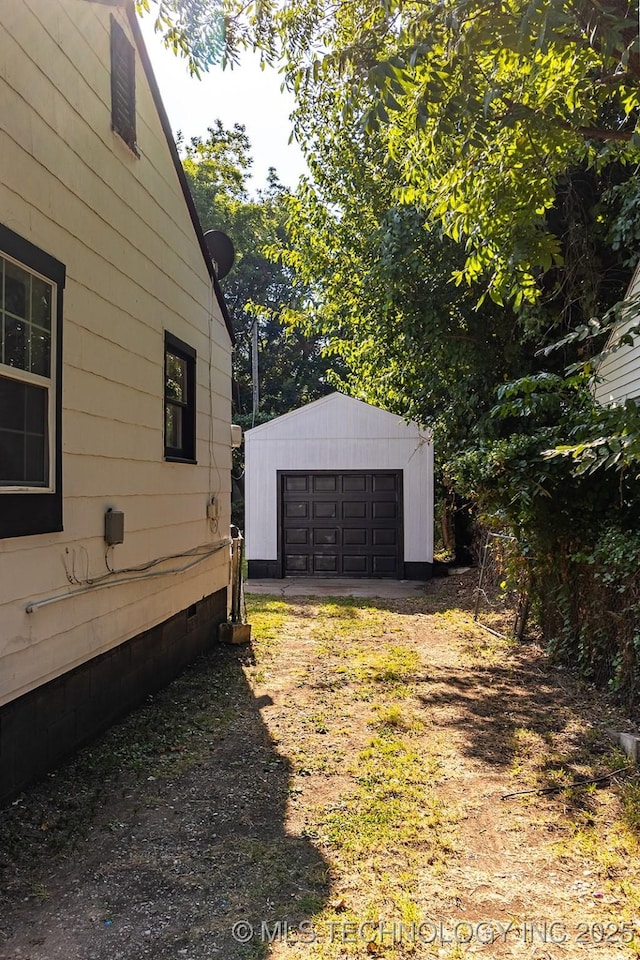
(339, 789)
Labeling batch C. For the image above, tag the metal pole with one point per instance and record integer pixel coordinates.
(481, 577)
(236, 579)
(255, 375)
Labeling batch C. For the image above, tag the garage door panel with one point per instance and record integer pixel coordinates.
(323, 563)
(384, 482)
(354, 566)
(294, 535)
(296, 484)
(296, 510)
(342, 524)
(383, 510)
(354, 510)
(322, 536)
(327, 484)
(354, 484)
(354, 537)
(385, 538)
(383, 566)
(325, 510)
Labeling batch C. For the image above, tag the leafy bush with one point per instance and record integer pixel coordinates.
(577, 528)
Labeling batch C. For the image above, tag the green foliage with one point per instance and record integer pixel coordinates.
(195, 30)
(484, 109)
(577, 529)
(258, 291)
(378, 291)
(616, 445)
(292, 370)
(516, 473)
(591, 608)
(496, 146)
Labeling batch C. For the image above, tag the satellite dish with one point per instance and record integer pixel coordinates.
(221, 252)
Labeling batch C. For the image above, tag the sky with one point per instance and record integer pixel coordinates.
(246, 95)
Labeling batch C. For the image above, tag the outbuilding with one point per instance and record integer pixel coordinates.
(339, 488)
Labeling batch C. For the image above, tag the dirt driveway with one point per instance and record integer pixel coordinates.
(338, 790)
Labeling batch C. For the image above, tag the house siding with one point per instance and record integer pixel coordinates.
(38, 730)
(134, 264)
(619, 373)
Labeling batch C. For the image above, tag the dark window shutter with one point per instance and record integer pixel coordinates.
(123, 86)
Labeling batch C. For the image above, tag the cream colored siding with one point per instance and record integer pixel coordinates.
(338, 433)
(619, 373)
(96, 621)
(134, 269)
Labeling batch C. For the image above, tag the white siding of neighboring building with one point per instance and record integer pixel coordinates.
(338, 433)
(619, 373)
(134, 269)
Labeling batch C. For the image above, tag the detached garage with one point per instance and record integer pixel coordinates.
(339, 488)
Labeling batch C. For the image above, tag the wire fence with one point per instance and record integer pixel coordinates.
(501, 600)
(587, 607)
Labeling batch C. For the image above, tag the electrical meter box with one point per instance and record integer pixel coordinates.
(114, 526)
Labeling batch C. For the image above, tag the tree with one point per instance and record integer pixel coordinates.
(257, 289)
(292, 367)
(379, 266)
(191, 29)
(487, 106)
(495, 143)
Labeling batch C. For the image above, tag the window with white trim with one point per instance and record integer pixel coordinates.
(31, 285)
(27, 329)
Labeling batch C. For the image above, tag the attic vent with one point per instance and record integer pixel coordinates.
(123, 87)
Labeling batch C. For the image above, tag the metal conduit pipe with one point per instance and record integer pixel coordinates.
(36, 604)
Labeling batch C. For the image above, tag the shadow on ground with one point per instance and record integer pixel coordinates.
(508, 705)
(155, 841)
(524, 714)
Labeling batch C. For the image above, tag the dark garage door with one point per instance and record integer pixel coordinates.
(342, 524)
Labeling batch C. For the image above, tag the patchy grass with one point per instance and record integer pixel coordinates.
(407, 809)
(392, 806)
(268, 618)
(339, 780)
(395, 717)
(630, 794)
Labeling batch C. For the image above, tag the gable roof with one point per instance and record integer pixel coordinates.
(166, 128)
(341, 416)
